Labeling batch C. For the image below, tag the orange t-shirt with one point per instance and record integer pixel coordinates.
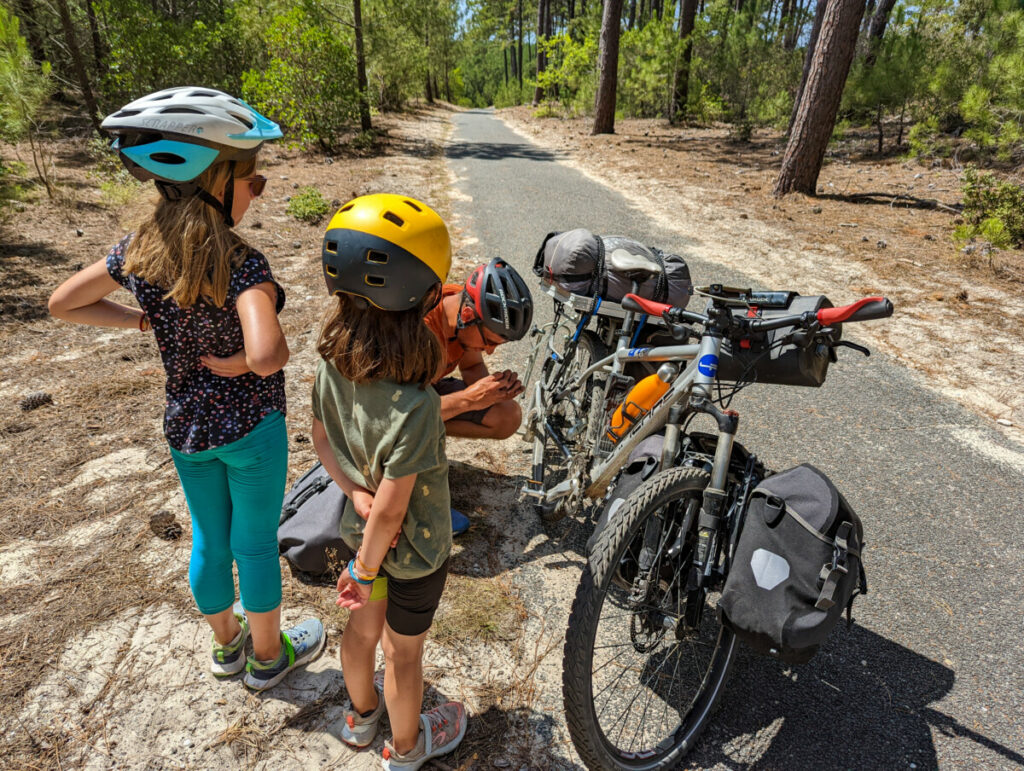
(438, 324)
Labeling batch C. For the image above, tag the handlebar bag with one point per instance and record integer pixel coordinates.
(309, 531)
(574, 261)
(764, 358)
(797, 565)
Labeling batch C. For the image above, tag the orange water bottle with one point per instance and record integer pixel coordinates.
(639, 400)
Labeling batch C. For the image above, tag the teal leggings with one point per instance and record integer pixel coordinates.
(234, 494)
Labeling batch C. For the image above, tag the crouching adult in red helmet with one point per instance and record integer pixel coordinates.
(493, 307)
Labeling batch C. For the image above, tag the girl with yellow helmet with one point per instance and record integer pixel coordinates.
(378, 431)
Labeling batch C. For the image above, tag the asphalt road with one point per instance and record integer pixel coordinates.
(932, 673)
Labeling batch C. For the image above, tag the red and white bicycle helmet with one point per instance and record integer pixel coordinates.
(500, 299)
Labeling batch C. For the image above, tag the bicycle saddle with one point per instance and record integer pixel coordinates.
(632, 265)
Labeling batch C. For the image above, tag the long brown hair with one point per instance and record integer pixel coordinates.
(185, 246)
(367, 344)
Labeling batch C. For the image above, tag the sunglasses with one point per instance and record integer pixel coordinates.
(256, 185)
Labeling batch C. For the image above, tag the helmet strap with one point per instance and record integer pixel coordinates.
(229, 197)
(178, 191)
(460, 320)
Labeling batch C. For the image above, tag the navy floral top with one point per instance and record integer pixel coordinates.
(205, 410)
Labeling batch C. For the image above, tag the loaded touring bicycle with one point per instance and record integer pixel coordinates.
(704, 546)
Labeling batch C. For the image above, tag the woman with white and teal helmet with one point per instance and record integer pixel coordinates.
(212, 302)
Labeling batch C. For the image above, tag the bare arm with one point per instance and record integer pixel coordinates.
(483, 390)
(82, 299)
(361, 498)
(266, 350)
(390, 503)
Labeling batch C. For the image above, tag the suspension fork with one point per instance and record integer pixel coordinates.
(712, 511)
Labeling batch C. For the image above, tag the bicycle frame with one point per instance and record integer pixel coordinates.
(691, 380)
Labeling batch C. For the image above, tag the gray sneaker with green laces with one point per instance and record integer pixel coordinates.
(230, 659)
(299, 645)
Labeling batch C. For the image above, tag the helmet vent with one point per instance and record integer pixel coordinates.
(168, 158)
(346, 208)
(392, 217)
(161, 97)
(414, 206)
(381, 258)
(331, 271)
(203, 93)
(332, 247)
(244, 121)
(375, 280)
(186, 110)
(127, 113)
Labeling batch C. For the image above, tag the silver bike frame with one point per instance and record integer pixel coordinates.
(687, 383)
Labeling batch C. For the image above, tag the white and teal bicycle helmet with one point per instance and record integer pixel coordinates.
(173, 136)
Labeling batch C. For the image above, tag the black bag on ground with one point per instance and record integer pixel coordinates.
(576, 262)
(308, 534)
(796, 567)
(765, 359)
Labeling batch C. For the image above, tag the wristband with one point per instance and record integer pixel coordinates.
(144, 323)
(365, 580)
(363, 568)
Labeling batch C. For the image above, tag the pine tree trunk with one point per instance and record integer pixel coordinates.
(816, 116)
(80, 71)
(361, 83)
(812, 44)
(504, 54)
(631, 21)
(98, 54)
(681, 79)
(542, 16)
(876, 28)
(519, 69)
(607, 67)
(30, 29)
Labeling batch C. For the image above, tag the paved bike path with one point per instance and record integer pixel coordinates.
(932, 673)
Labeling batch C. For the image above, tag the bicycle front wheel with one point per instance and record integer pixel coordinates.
(639, 683)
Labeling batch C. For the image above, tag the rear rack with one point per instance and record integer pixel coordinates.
(579, 303)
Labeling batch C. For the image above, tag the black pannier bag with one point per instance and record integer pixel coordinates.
(309, 532)
(764, 359)
(575, 260)
(797, 565)
(643, 461)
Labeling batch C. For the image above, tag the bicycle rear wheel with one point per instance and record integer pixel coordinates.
(564, 432)
(639, 685)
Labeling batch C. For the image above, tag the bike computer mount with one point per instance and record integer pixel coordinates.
(745, 298)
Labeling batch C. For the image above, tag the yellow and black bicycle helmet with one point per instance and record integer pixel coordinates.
(390, 250)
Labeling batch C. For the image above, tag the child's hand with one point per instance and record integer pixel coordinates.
(229, 366)
(362, 500)
(352, 594)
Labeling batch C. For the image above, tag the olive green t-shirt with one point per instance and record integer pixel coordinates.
(386, 430)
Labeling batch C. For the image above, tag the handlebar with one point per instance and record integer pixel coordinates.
(862, 310)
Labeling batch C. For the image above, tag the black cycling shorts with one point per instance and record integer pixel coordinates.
(412, 602)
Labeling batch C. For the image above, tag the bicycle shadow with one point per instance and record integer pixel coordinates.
(862, 702)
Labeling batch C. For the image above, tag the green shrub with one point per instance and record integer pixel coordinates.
(993, 210)
(308, 206)
(309, 84)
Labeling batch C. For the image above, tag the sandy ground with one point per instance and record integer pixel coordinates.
(104, 655)
(959, 321)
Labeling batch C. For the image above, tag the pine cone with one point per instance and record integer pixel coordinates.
(164, 526)
(35, 401)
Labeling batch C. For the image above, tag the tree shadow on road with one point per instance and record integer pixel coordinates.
(862, 702)
(501, 151)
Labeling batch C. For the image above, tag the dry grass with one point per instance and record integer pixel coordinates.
(477, 609)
